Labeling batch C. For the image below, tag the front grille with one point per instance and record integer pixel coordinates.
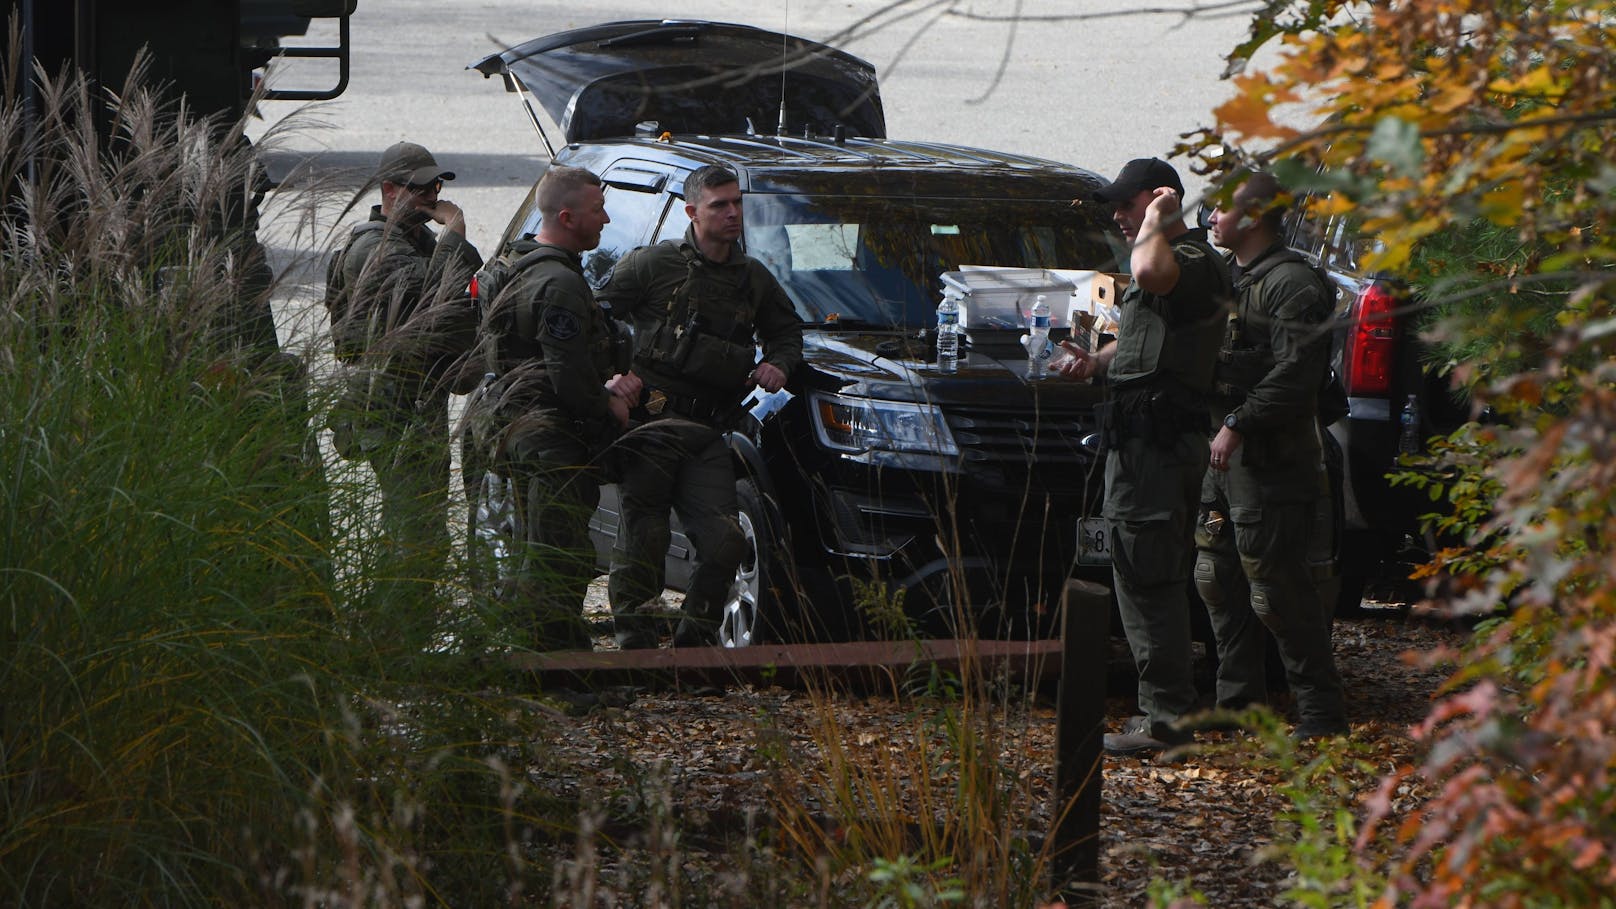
(1012, 448)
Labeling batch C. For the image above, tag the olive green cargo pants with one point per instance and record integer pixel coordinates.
(1151, 498)
(411, 464)
(1262, 566)
(683, 466)
(559, 484)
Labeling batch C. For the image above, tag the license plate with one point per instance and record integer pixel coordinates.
(1093, 541)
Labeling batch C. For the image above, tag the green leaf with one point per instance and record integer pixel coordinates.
(1301, 176)
(1396, 142)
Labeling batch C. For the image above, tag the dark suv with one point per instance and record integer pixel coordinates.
(972, 494)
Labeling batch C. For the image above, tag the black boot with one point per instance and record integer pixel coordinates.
(695, 632)
(561, 633)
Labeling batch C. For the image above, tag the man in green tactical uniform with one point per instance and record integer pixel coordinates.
(699, 307)
(557, 402)
(1261, 518)
(1160, 371)
(400, 320)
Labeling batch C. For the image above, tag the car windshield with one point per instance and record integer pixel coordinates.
(875, 261)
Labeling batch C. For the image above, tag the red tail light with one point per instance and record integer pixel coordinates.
(1371, 350)
(471, 289)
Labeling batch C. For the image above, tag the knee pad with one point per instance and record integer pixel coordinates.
(1206, 580)
(1262, 602)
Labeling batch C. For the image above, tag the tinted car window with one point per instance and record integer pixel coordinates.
(877, 260)
(631, 211)
(675, 221)
(1332, 241)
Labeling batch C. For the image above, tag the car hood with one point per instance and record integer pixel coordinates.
(893, 366)
(690, 77)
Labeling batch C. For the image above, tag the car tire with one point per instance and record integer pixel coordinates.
(752, 612)
(493, 531)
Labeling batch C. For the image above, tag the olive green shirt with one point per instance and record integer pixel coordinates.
(1282, 304)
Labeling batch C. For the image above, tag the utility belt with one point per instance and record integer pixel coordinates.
(1154, 415)
(660, 402)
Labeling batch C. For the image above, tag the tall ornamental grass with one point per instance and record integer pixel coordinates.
(192, 714)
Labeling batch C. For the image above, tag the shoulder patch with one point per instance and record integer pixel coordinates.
(560, 323)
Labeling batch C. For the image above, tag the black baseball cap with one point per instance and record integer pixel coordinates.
(1137, 176)
(408, 164)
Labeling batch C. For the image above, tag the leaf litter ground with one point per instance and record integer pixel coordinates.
(1204, 819)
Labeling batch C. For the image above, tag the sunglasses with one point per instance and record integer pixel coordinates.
(422, 189)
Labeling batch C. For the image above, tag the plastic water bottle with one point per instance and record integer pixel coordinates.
(1038, 338)
(1408, 440)
(948, 328)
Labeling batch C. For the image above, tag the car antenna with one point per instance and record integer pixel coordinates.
(785, 36)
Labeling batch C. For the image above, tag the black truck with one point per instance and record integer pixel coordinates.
(209, 51)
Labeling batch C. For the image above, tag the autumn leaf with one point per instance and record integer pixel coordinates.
(1247, 113)
(1540, 82)
(1502, 204)
(1450, 98)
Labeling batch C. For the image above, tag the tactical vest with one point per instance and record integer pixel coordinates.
(1160, 351)
(1247, 354)
(514, 288)
(510, 320)
(705, 334)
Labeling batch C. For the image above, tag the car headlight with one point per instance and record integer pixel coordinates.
(863, 425)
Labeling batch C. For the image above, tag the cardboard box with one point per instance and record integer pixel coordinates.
(1106, 290)
(1093, 310)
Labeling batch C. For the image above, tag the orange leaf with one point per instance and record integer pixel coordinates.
(1451, 98)
(1247, 113)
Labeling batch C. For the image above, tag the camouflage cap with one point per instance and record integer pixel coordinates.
(406, 163)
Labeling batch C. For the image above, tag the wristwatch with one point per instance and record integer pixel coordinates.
(1231, 422)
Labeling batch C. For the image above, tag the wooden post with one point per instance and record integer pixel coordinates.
(1079, 735)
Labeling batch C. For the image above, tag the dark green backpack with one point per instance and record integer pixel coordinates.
(495, 276)
(349, 344)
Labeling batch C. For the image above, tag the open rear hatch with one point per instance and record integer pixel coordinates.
(692, 78)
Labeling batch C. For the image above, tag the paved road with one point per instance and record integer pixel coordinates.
(1094, 92)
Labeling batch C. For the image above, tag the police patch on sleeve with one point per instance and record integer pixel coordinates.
(561, 324)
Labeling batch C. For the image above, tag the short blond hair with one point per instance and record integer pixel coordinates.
(558, 188)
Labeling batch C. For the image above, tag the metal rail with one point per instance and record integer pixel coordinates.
(338, 53)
